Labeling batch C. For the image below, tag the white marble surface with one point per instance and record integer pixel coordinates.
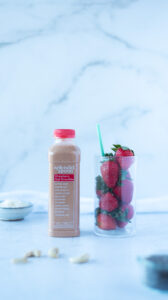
(75, 63)
(112, 273)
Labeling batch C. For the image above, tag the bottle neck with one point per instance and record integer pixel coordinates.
(65, 140)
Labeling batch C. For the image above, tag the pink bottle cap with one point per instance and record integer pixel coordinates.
(64, 133)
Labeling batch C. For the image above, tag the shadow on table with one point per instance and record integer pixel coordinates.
(87, 233)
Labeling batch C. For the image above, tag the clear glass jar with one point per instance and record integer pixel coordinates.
(114, 196)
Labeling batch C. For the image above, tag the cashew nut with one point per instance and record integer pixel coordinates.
(53, 252)
(29, 254)
(33, 253)
(37, 253)
(80, 259)
(22, 260)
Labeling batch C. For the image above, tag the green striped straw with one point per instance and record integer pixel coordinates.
(100, 140)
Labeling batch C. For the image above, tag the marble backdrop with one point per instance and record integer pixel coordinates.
(71, 64)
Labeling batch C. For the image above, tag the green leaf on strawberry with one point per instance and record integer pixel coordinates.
(105, 212)
(124, 175)
(117, 145)
(101, 186)
(121, 215)
(117, 214)
(110, 154)
(97, 211)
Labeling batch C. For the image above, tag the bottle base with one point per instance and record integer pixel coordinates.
(64, 233)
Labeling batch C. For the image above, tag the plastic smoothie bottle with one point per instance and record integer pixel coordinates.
(64, 185)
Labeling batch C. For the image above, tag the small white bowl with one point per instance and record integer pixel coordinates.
(15, 213)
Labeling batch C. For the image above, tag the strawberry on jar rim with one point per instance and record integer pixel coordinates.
(110, 173)
(106, 222)
(124, 156)
(108, 202)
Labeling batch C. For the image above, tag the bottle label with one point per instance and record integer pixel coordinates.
(63, 177)
(64, 191)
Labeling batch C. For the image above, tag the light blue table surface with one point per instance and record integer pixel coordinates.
(112, 273)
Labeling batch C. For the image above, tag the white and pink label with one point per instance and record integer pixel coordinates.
(63, 177)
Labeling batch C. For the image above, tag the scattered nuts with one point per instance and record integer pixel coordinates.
(37, 253)
(33, 253)
(22, 260)
(80, 259)
(29, 254)
(53, 252)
